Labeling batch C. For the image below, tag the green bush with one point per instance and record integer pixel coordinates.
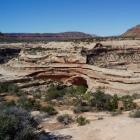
(107, 102)
(8, 125)
(102, 101)
(8, 87)
(128, 102)
(80, 109)
(77, 92)
(37, 95)
(49, 109)
(17, 124)
(112, 104)
(55, 92)
(10, 103)
(82, 121)
(28, 104)
(135, 113)
(11, 89)
(61, 92)
(20, 93)
(99, 100)
(65, 119)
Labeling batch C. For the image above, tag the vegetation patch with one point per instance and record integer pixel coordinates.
(82, 121)
(65, 119)
(11, 89)
(128, 102)
(50, 110)
(33, 51)
(17, 124)
(80, 109)
(135, 113)
(55, 92)
(116, 113)
(8, 87)
(28, 104)
(102, 101)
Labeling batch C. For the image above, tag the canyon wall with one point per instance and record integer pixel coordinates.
(113, 68)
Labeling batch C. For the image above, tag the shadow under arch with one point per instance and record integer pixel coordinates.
(78, 80)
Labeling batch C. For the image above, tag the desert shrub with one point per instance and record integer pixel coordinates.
(28, 104)
(135, 113)
(10, 103)
(80, 109)
(55, 92)
(128, 102)
(112, 104)
(49, 109)
(117, 112)
(37, 95)
(61, 92)
(11, 89)
(77, 92)
(65, 119)
(20, 93)
(17, 124)
(136, 96)
(8, 87)
(97, 100)
(102, 101)
(82, 120)
(33, 51)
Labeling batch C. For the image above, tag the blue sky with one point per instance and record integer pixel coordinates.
(101, 17)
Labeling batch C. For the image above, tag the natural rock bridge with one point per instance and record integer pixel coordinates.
(111, 80)
(114, 69)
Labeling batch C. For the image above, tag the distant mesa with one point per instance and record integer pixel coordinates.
(133, 32)
(63, 35)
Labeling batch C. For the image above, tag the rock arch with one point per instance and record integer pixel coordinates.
(78, 80)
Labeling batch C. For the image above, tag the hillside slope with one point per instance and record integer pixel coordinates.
(133, 32)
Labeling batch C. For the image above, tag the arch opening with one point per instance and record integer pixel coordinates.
(78, 81)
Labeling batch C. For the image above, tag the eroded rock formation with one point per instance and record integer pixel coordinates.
(112, 66)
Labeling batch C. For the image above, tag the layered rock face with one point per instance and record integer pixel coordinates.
(113, 58)
(113, 66)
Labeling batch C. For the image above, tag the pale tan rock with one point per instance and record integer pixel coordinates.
(137, 102)
(63, 61)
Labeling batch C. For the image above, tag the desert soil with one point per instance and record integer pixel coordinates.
(120, 127)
